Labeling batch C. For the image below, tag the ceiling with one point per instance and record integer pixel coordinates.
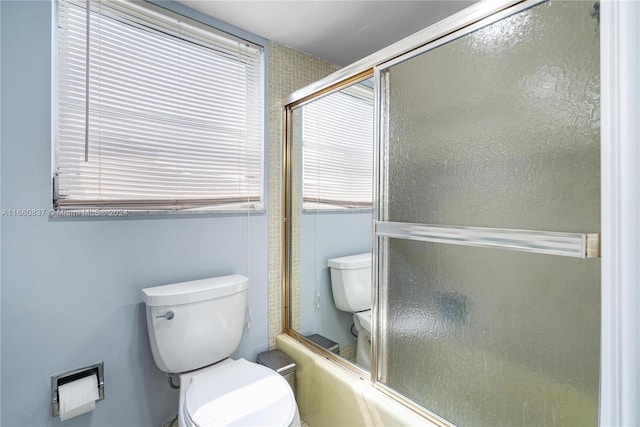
(340, 32)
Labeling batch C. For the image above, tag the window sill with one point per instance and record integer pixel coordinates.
(336, 211)
(125, 213)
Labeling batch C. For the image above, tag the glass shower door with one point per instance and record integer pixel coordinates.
(488, 219)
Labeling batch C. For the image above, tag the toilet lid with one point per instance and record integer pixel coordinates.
(240, 394)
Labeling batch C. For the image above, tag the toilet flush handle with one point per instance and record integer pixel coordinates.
(168, 315)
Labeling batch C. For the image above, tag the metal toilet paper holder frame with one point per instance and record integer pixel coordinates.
(76, 374)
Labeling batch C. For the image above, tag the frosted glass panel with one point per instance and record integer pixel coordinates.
(490, 337)
(500, 128)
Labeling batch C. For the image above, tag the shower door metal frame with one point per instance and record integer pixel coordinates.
(620, 192)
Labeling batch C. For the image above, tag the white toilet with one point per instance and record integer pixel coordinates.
(193, 329)
(351, 287)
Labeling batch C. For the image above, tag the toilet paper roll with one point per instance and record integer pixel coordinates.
(87, 407)
(78, 397)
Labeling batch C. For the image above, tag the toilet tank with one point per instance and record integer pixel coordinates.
(351, 282)
(197, 323)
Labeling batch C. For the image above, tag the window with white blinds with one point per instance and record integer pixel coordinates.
(155, 111)
(337, 134)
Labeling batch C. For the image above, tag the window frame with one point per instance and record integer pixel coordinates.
(173, 10)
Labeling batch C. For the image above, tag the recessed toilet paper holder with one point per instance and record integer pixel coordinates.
(74, 375)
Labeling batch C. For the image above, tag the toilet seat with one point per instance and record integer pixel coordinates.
(239, 393)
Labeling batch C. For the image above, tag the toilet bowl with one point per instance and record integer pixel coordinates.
(236, 393)
(362, 322)
(193, 329)
(351, 289)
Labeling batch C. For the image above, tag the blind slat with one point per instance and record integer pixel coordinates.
(175, 111)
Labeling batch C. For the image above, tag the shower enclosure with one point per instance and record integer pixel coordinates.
(486, 219)
(489, 190)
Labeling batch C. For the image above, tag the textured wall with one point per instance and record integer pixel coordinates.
(289, 70)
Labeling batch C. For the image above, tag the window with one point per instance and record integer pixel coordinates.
(155, 111)
(337, 133)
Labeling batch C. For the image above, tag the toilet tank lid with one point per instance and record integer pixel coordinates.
(195, 290)
(351, 261)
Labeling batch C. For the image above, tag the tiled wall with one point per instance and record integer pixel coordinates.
(289, 70)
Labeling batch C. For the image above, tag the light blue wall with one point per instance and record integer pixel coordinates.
(324, 236)
(71, 288)
(0, 219)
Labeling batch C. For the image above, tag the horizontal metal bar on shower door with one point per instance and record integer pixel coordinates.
(577, 245)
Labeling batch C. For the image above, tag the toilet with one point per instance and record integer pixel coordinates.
(193, 329)
(351, 288)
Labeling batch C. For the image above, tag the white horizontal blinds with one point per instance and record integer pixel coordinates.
(175, 111)
(337, 133)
